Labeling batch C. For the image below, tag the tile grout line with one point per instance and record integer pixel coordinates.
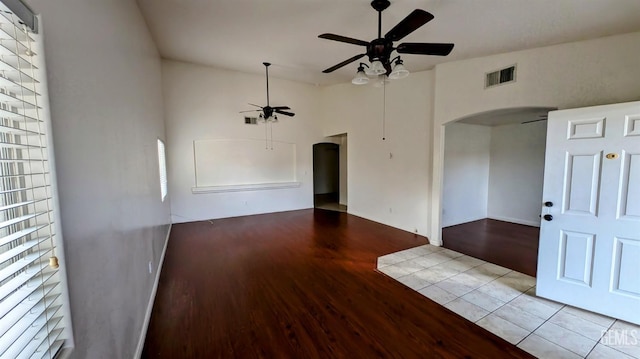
(490, 312)
(543, 323)
(608, 346)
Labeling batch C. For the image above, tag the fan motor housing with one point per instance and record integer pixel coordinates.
(380, 5)
(380, 49)
(268, 111)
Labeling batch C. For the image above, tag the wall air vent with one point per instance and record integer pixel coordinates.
(500, 77)
(250, 120)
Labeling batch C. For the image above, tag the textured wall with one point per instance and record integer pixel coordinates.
(577, 74)
(388, 179)
(104, 80)
(517, 172)
(204, 103)
(466, 173)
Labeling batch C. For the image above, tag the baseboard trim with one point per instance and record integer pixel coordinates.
(152, 298)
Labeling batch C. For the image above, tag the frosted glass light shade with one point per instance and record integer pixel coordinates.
(399, 72)
(369, 72)
(377, 67)
(360, 79)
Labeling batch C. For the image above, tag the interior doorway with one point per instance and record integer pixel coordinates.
(492, 186)
(330, 174)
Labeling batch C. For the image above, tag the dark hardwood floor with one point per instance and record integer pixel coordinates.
(510, 245)
(300, 284)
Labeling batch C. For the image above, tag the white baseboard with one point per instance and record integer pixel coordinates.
(152, 297)
(516, 221)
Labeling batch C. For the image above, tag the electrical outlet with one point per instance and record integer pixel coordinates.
(150, 267)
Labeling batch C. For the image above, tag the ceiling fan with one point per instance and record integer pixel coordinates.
(267, 112)
(379, 50)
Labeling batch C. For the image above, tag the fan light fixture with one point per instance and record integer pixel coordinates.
(361, 77)
(398, 72)
(378, 69)
(380, 50)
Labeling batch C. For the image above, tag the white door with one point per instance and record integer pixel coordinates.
(589, 254)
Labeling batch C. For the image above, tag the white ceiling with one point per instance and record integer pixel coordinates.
(241, 34)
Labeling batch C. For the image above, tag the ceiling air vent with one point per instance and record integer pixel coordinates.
(500, 77)
(250, 121)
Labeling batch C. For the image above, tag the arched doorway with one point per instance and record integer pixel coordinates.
(492, 185)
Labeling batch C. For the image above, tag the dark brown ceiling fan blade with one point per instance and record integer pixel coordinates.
(423, 48)
(531, 121)
(255, 105)
(340, 38)
(343, 63)
(281, 108)
(408, 25)
(249, 111)
(285, 113)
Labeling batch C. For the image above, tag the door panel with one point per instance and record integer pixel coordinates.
(627, 207)
(586, 128)
(632, 126)
(589, 254)
(582, 183)
(576, 258)
(626, 280)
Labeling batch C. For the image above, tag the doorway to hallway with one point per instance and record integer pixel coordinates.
(326, 177)
(330, 173)
(492, 190)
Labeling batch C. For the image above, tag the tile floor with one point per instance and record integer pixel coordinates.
(504, 302)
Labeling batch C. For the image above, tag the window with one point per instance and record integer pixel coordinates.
(163, 170)
(33, 305)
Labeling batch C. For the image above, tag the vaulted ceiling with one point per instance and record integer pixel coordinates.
(241, 34)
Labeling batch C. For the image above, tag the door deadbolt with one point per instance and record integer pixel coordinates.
(548, 204)
(611, 156)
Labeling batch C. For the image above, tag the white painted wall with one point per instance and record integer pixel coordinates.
(516, 172)
(203, 103)
(342, 141)
(104, 82)
(344, 173)
(393, 191)
(106, 107)
(466, 173)
(585, 73)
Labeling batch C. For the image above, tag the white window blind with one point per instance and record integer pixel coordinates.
(162, 163)
(32, 294)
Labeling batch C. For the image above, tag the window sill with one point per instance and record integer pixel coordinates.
(244, 187)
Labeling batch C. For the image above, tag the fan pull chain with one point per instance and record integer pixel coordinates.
(266, 138)
(384, 108)
(271, 127)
